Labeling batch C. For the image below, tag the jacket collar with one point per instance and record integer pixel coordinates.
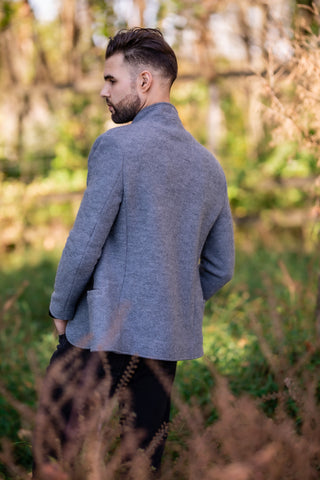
(163, 109)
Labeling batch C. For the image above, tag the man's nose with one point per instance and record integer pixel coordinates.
(105, 91)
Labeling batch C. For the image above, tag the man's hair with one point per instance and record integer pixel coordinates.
(145, 46)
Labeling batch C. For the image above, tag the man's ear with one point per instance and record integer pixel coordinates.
(145, 80)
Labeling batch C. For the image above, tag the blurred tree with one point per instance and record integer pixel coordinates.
(43, 66)
(29, 50)
(229, 54)
(293, 100)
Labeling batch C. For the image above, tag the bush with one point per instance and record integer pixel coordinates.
(245, 410)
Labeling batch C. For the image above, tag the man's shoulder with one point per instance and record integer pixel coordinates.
(114, 133)
(201, 151)
(119, 135)
(112, 140)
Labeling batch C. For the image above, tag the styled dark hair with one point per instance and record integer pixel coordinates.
(145, 46)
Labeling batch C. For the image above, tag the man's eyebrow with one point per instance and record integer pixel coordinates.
(108, 77)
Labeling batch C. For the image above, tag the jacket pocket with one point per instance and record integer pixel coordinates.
(104, 325)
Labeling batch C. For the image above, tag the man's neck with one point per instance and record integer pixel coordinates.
(158, 98)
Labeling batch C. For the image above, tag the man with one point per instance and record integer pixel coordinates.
(152, 241)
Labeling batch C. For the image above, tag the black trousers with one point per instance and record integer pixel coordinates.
(80, 383)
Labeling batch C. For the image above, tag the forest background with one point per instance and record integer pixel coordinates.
(249, 90)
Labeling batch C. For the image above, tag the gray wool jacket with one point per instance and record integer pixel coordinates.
(152, 241)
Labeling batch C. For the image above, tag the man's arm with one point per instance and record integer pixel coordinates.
(217, 257)
(97, 212)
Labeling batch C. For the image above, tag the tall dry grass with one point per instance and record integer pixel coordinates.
(243, 444)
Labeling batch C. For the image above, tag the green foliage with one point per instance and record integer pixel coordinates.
(191, 100)
(7, 13)
(262, 178)
(26, 342)
(195, 383)
(284, 310)
(75, 135)
(266, 310)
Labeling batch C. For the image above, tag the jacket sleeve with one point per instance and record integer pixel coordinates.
(97, 212)
(217, 257)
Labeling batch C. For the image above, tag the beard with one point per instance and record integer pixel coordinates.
(126, 109)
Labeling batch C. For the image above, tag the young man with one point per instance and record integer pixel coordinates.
(152, 241)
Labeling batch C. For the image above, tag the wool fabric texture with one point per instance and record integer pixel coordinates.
(152, 241)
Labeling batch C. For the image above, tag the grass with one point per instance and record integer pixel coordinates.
(259, 336)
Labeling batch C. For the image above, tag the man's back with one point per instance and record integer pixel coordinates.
(148, 289)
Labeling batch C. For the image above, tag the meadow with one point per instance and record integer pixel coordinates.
(255, 392)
